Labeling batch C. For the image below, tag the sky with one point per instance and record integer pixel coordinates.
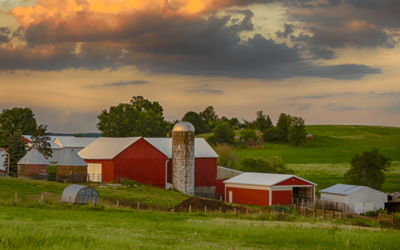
(328, 61)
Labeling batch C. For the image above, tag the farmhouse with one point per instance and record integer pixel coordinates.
(362, 199)
(268, 189)
(33, 163)
(147, 160)
(3, 157)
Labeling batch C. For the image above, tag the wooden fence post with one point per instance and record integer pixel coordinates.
(234, 210)
(190, 208)
(205, 209)
(117, 203)
(315, 212)
(379, 218)
(333, 214)
(41, 201)
(138, 206)
(220, 210)
(324, 213)
(69, 201)
(16, 197)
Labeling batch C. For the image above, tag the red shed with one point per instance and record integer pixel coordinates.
(267, 189)
(147, 160)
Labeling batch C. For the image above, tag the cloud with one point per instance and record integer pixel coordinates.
(289, 29)
(210, 91)
(136, 82)
(314, 96)
(304, 107)
(393, 109)
(338, 107)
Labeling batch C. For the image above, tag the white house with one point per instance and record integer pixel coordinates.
(362, 199)
(3, 152)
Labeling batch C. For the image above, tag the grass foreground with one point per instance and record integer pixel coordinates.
(35, 228)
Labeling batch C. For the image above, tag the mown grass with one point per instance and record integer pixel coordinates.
(33, 228)
(32, 189)
(333, 144)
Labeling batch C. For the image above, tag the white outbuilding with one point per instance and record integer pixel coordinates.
(362, 199)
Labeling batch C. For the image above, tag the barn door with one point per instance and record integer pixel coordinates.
(95, 172)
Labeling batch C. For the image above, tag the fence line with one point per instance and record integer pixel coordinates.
(386, 218)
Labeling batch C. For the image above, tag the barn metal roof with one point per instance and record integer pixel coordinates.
(201, 148)
(52, 145)
(262, 179)
(342, 189)
(106, 148)
(72, 159)
(73, 142)
(34, 157)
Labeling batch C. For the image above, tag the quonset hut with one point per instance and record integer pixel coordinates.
(33, 163)
(183, 157)
(78, 194)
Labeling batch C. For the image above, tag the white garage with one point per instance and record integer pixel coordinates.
(362, 199)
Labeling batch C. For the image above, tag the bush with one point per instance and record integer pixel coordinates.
(278, 166)
(226, 158)
(271, 135)
(131, 183)
(396, 216)
(248, 134)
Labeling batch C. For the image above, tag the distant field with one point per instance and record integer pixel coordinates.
(35, 228)
(333, 144)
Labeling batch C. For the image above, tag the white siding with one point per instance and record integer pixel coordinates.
(366, 195)
(2, 159)
(336, 198)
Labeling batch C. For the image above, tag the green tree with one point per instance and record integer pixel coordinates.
(248, 134)
(368, 169)
(226, 158)
(252, 164)
(16, 119)
(277, 166)
(138, 118)
(297, 131)
(263, 121)
(271, 135)
(41, 141)
(16, 150)
(209, 118)
(195, 119)
(223, 133)
(282, 127)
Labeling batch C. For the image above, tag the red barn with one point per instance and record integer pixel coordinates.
(147, 160)
(268, 189)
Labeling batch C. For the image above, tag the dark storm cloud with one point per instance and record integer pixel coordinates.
(338, 107)
(136, 82)
(289, 29)
(210, 91)
(185, 45)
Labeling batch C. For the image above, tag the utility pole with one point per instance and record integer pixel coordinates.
(8, 167)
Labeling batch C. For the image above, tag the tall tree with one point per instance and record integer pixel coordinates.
(41, 141)
(297, 131)
(209, 118)
(195, 119)
(282, 127)
(138, 118)
(368, 169)
(16, 119)
(223, 133)
(263, 121)
(226, 156)
(16, 150)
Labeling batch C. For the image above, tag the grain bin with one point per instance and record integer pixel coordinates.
(183, 157)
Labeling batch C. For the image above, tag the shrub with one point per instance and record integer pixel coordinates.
(131, 183)
(226, 158)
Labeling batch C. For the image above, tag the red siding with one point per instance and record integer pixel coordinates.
(141, 162)
(169, 173)
(205, 172)
(35, 169)
(248, 196)
(107, 169)
(293, 182)
(282, 197)
(220, 186)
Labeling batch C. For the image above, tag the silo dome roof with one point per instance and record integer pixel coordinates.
(183, 127)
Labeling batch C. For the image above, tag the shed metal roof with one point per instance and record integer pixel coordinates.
(73, 142)
(201, 147)
(106, 148)
(72, 159)
(34, 157)
(262, 179)
(343, 189)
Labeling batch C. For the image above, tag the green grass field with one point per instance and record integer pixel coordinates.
(325, 159)
(35, 228)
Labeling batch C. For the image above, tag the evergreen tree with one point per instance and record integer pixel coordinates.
(263, 121)
(16, 150)
(41, 141)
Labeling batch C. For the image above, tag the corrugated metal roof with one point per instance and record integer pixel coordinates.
(72, 159)
(106, 148)
(230, 169)
(34, 157)
(73, 142)
(52, 145)
(342, 189)
(262, 179)
(201, 148)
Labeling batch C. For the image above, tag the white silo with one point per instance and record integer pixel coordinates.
(183, 157)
